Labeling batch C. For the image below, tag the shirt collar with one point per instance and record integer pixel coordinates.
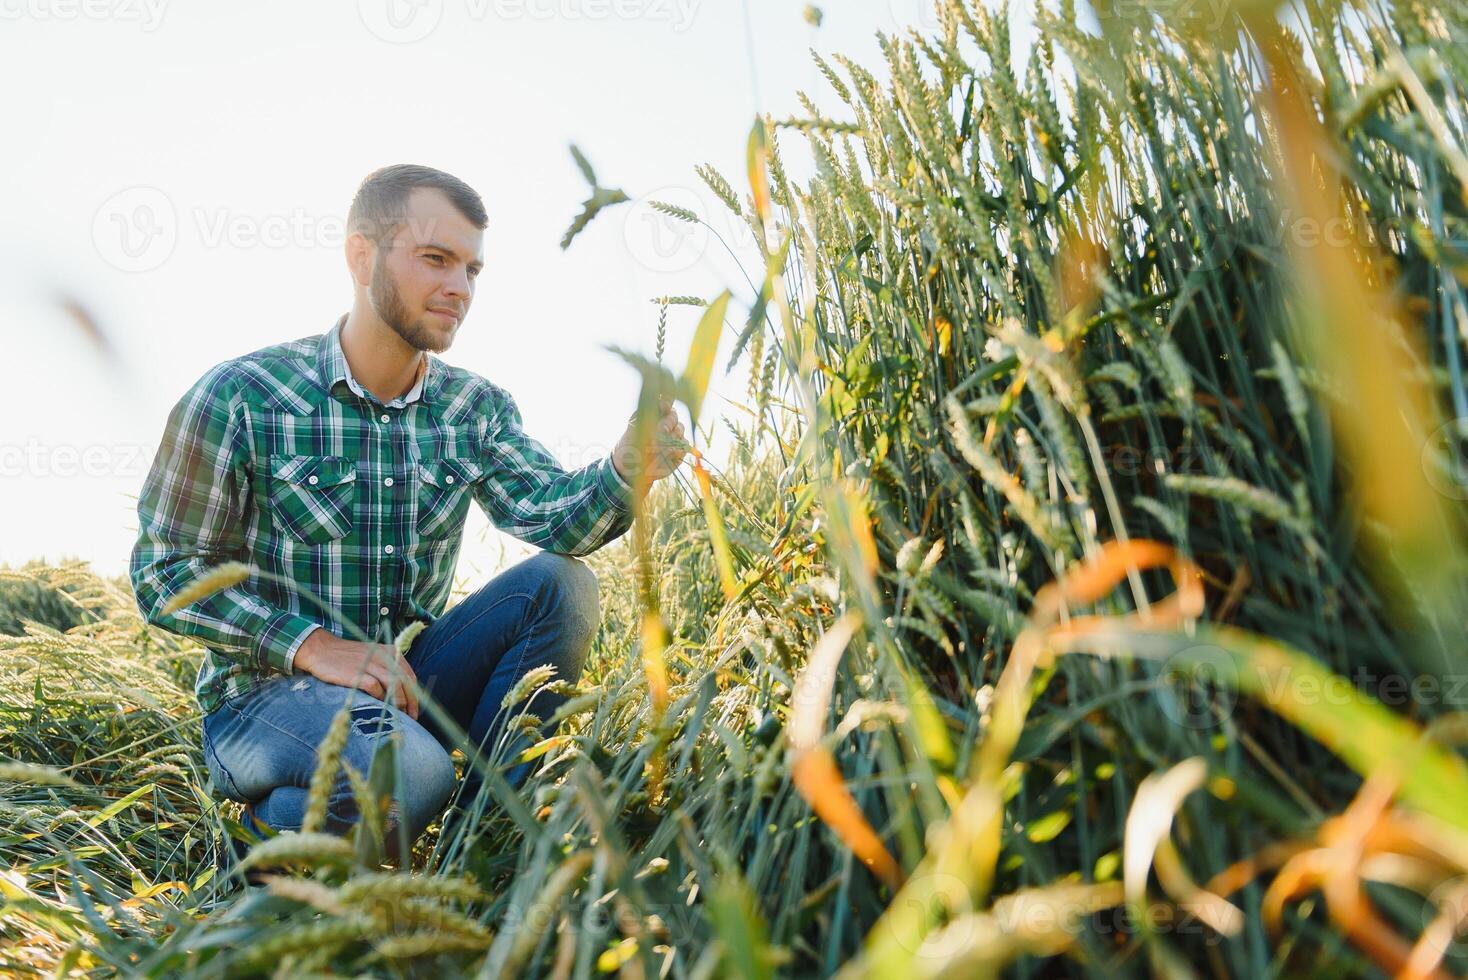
(331, 367)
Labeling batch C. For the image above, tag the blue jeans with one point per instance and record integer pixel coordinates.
(260, 745)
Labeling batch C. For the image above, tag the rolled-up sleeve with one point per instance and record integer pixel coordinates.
(526, 493)
(192, 515)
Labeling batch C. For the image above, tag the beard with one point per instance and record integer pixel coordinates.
(387, 301)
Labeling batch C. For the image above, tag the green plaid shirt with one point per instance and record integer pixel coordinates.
(282, 460)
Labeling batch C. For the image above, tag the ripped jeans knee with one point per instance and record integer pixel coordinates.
(262, 748)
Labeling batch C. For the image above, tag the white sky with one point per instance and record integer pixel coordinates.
(241, 131)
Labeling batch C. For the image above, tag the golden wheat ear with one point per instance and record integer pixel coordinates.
(215, 580)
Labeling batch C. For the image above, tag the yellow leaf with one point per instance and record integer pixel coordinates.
(861, 531)
(932, 731)
(542, 747)
(612, 960)
(701, 354)
(818, 779)
(718, 536)
(13, 887)
(654, 642)
(943, 330)
(154, 890)
(756, 155)
(811, 699)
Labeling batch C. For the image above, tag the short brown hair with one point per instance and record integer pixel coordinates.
(379, 205)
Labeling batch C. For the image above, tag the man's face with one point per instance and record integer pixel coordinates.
(423, 280)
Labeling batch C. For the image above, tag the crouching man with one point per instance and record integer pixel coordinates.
(342, 465)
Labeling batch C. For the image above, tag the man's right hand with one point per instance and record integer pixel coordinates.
(373, 668)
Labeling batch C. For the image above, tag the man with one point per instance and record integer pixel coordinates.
(341, 466)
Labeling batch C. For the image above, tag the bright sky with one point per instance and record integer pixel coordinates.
(184, 169)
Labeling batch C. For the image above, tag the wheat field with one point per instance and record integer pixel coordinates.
(1082, 596)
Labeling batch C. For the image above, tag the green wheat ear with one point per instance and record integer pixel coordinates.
(662, 329)
(720, 186)
(674, 211)
(404, 641)
(215, 580)
(328, 755)
(601, 197)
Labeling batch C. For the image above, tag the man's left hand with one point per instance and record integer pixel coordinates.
(664, 452)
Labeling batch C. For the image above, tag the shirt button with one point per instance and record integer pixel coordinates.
(313, 481)
(448, 479)
(383, 610)
(387, 548)
(386, 417)
(387, 482)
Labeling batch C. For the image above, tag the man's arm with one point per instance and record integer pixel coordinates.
(528, 494)
(191, 516)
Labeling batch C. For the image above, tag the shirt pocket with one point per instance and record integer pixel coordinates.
(444, 487)
(312, 497)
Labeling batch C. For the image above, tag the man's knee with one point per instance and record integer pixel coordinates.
(429, 778)
(575, 592)
(424, 770)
